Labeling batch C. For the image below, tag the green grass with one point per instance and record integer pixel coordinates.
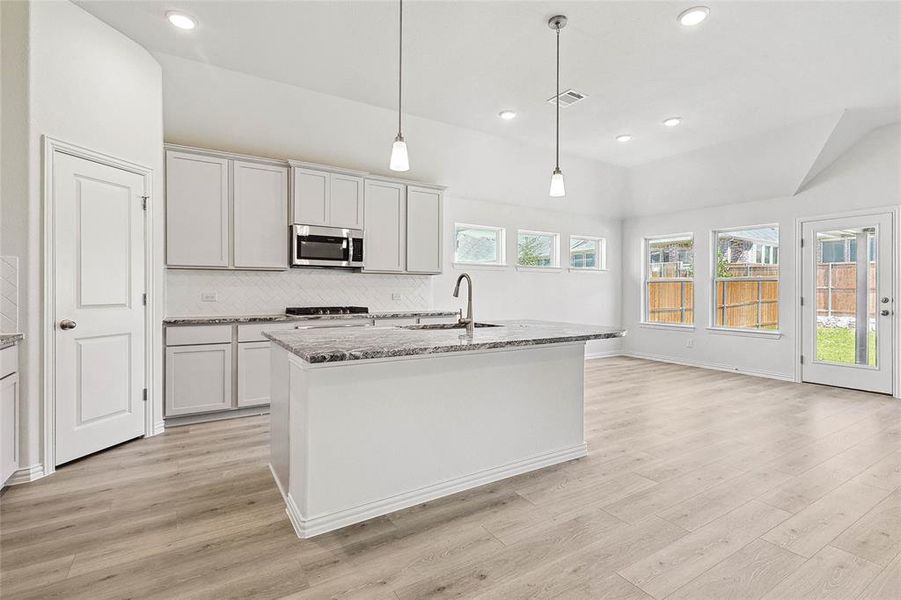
(836, 344)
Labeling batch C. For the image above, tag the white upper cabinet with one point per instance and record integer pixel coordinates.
(329, 199)
(225, 212)
(261, 216)
(346, 201)
(423, 230)
(197, 223)
(384, 231)
(311, 197)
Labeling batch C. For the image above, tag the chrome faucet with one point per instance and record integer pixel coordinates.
(468, 321)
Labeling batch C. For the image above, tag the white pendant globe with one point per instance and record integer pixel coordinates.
(400, 161)
(558, 189)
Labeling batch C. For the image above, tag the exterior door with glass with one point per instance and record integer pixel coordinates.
(847, 302)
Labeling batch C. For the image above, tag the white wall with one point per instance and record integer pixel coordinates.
(490, 180)
(91, 86)
(868, 175)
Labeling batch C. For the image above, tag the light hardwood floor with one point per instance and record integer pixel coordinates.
(699, 485)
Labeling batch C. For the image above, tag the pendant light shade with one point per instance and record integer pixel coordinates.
(400, 161)
(557, 189)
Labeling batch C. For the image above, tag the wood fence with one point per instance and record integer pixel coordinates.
(749, 297)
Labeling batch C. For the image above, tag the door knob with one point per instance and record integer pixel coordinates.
(884, 312)
(67, 324)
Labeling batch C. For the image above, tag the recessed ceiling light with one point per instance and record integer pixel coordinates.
(181, 20)
(507, 115)
(623, 138)
(693, 16)
(672, 121)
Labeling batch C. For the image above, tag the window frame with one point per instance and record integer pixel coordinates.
(714, 280)
(646, 280)
(501, 245)
(555, 248)
(600, 249)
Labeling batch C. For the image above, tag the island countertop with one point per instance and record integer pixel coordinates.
(362, 343)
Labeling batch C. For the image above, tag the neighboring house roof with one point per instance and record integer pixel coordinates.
(766, 235)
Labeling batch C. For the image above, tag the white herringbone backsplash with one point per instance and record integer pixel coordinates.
(258, 292)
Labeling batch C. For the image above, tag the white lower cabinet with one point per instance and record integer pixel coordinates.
(253, 373)
(198, 379)
(9, 426)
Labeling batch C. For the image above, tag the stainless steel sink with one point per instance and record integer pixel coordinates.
(447, 326)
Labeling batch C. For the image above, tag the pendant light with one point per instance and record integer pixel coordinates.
(558, 189)
(400, 161)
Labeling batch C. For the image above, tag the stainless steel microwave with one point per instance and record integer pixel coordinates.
(314, 246)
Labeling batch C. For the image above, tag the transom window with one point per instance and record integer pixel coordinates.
(479, 244)
(537, 249)
(669, 285)
(746, 278)
(587, 253)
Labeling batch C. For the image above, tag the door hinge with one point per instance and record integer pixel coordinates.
(802, 242)
(144, 299)
(144, 395)
(802, 300)
(144, 200)
(802, 359)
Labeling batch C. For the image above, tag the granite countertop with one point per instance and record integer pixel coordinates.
(226, 320)
(360, 343)
(10, 339)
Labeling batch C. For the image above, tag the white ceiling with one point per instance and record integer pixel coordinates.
(751, 67)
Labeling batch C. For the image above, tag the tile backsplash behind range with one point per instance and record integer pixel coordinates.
(258, 292)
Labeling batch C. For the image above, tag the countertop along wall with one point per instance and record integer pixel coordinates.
(490, 181)
(866, 176)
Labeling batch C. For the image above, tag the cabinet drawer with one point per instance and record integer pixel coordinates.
(254, 331)
(189, 335)
(9, 361)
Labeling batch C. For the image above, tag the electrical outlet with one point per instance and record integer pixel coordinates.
(690, 343)
(396, 297)
(208, 297)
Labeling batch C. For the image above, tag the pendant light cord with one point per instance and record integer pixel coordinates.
(557, 166)
(400, 65)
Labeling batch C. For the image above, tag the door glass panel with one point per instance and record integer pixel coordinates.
(846, 297)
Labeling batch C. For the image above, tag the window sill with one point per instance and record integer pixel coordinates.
(766, 334)
(667, 326)
(477, 266)
(538, 269)
(586, 270)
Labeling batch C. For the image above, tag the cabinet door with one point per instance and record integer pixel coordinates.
(196, 210)
(253, 373)
(311, 196)
(261, 216)
(198, 379)
(346, 202)
(9, 427)
(423, 230)
(385, 226)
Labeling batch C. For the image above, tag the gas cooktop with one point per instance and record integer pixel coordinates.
(325, 310)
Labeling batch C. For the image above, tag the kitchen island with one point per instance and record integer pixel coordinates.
(367, 421)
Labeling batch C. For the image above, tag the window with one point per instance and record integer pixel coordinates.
(537, 249)
(669, 289)
(587, 253)
(746, 278)
(479, 245)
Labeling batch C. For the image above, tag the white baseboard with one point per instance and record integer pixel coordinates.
(713, 366)
(250, 411)
(26, 474)
(306, 528)
(158, 428)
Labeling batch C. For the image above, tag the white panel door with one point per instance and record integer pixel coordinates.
(848, 306)
(9, 426)
(196, 210)
(423, 230)
(253, 373)
(385, 226)
(261, 216)
(98, 247)
(198, 379)
(346, 202)
(311, 196)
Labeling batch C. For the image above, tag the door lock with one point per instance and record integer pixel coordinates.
(884, 312)
(885, 300)
(67, 324)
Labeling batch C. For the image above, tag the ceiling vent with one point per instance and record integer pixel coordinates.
(567, 98)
